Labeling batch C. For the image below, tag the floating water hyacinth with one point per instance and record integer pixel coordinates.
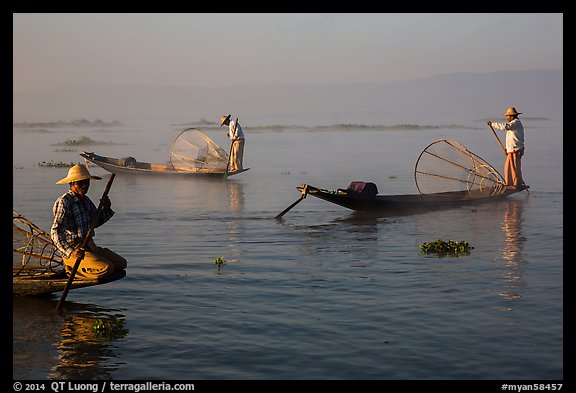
(443, 248)
(109, 328)
(219, 262)
(53, 164)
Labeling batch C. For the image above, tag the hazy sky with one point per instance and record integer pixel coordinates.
(52, 50)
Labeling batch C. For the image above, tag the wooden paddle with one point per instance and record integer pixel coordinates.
(84, 242)
(498, 139)
(230, 153)
(302, 197)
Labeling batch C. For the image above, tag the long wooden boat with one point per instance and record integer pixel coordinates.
(406, 203)
(129, 165)
(45, 284)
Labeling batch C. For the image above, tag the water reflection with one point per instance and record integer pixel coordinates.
(353, 234)
(234, 222)
(236, 194)
(79, 344)
(512, 250)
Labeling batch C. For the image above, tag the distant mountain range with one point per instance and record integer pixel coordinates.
(446, 99)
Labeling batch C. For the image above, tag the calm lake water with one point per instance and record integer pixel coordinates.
(323, 293)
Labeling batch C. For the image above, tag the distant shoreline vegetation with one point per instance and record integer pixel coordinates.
(340, 126)
(201, 122)
(394, 127)
(82, 141)
(53, 164)
(530, 118)
(204, 124)
(73, 123)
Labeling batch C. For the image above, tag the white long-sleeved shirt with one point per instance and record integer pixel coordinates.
(238, 134)
(514, 134)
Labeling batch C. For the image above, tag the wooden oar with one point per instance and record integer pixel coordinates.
(302, 197)
(230, 154)
(498, 139)
(84, 242)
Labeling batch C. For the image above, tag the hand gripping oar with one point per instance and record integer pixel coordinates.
(498, 139)
(302, 197)
(84, 242)
(230, 154)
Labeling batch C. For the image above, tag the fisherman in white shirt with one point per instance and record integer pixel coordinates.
(514, 147)
(236, 135)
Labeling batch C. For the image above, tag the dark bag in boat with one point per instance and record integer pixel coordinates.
(129, 162)
(362, 189)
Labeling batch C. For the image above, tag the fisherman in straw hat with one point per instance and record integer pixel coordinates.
(514, 147)
(73, 213)
(236, 135)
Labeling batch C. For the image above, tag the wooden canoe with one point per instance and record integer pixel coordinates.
(45, 284)
(129, 165)
(405, 203)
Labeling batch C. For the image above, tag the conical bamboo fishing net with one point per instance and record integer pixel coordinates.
(446, 165)
(34, 252)
(193, 151)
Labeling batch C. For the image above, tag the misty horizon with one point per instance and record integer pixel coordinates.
(445, 99)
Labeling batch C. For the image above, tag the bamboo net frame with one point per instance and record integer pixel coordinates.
(447, 166)
(192, 150)
(34, 252)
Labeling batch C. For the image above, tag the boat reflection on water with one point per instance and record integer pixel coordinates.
(512, 229)
(235, 228)
(512, 250)
(76, 344)
(236, 193)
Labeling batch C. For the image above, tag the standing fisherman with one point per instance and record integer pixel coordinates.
(236, 135)
(514, 147)
(73, 213)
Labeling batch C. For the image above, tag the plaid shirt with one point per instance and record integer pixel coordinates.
(72, 220)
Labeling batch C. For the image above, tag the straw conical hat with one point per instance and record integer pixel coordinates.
(223, 119)
(512, 112)
(76, 173)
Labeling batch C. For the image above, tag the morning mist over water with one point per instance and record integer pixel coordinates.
(442, 99)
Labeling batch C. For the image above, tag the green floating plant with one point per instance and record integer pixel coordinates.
(219, 262)
(108, 328)
(53, 164)
(443, 248)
